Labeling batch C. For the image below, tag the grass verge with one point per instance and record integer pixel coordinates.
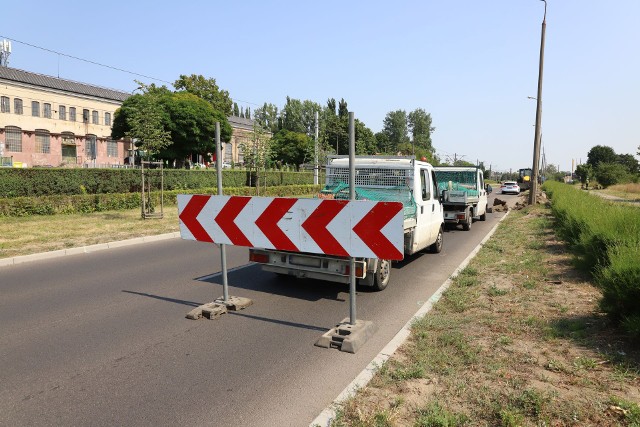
(517, 340)
(34, 234)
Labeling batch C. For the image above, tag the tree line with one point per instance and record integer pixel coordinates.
(174, 124)
(609, 168)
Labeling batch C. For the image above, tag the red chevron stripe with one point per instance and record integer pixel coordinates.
(226, 220)
(189, 217)
(268, 223)
(316, 226)
(368, 229)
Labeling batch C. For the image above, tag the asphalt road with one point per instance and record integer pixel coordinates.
(101, 339)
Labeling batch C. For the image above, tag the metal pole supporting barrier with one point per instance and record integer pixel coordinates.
(352, 196)
(223, 247)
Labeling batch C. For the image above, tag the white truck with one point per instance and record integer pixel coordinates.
(464, 194)
(382, 178)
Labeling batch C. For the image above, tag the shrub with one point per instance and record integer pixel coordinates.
(87, 203)
(48, 182)
(606, 239)
(608, 174)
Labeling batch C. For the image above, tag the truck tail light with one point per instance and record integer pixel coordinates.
(460, 216)
(359, 270)
(258, 257)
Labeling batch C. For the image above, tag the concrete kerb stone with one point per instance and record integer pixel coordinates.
(5, 262)
(329, 413)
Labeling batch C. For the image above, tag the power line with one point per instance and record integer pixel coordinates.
(106, 66)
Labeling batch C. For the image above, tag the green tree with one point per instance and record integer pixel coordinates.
(292, 148)
(419, 122)
(343, 110)
(206, 89)
(365, 139)
(334, 130)
(395, 127)
(146, 126)
(267, 117)
(143, 119)
(629, 162)
(236, 110)
(601, 154)
(584, 172)
(192, 125)
(299, 116)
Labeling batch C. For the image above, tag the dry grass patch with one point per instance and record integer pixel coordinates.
(34, 234)
(517, 340)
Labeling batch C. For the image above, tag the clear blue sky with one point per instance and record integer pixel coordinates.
(470, 64)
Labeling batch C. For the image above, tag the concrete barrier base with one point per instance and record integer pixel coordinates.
(235, 303)
(348, 337)
(210, 310)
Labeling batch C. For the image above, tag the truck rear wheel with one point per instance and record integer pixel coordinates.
(382, 275)
(466, 226)
(483, 217)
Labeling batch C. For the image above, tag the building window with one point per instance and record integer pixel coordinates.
(90, 146)
(85, 115)
(35, 108)
(13, 139)
(43, 141)
(94, 117)
(47, 111)
(107, 119)
(62, 111)
(5, 104)
(112, 148)
(17, 105)
(72, 114)
(68, 146)
(228, 154)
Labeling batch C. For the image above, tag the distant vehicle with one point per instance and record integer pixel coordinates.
(226, 165)
(510, 187)
(524, 178)
(135, 157)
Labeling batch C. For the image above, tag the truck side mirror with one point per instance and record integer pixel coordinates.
(443, 196)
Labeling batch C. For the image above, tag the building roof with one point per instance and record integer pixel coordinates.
(241, 122)
(20, 76)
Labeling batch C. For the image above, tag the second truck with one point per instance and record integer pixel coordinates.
(464, 194)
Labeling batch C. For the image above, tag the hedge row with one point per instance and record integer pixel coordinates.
(47, 182)
(606, 238)
(87, 203)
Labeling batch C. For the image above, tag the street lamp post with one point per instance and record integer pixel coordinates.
(536, 142)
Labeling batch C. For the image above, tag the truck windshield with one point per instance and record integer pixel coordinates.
(458, 179)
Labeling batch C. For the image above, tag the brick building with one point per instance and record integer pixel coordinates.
(48, 121)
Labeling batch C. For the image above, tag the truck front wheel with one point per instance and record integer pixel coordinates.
(436, 247)
(382, 275)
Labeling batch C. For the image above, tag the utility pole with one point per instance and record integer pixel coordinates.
(315, 162)
(536, 142)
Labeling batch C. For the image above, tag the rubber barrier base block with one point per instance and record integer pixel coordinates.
(347, 337)
(235, 303)
(210, 311)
